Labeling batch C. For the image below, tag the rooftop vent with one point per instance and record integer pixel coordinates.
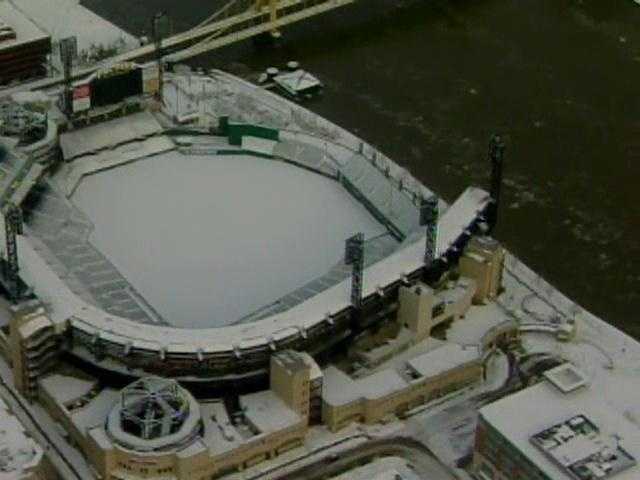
(579, 447)
(6, 31)
(566, 377)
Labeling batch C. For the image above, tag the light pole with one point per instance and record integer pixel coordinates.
(496, 156)
(68, 53)
(159, 29)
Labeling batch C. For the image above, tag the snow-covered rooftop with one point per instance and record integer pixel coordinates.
(65, 18)
(442, 359)
(297, 81)
(71, 392)
(339, 388)
(26, 30)
(523, 415)
(267, 412)
(380, 384)
(219, 433)
(566, 377)
(96, 411)
(65, 388)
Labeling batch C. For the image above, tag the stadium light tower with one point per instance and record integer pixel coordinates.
(68, 53)
(429, 215)
(354, 256)
(159, 30)
(496, 156)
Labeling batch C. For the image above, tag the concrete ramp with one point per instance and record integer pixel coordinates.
(108, 135)
(461, 216)
(71, 174)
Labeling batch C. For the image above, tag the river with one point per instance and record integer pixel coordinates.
(428, 82)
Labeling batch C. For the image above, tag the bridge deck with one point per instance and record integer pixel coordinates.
(249, 22)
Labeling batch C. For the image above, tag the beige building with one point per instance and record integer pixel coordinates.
(34, 345)
(483, 261)
(372, 391)
(422, 308)
(297, 379)
(181, 438)
(421, 311)
(445, 368)
(290, 374)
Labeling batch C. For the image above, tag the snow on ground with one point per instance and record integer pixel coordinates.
(65, 18)
(449, 433)
(319, 443)
(208, 239)
(387, 468)
(19, 450)
(57, 449)
(496, 371)
(219, 94)
(607, 356)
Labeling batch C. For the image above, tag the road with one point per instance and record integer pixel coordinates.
(417, 455)
(67, 461)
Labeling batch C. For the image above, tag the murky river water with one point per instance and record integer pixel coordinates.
(429, 81)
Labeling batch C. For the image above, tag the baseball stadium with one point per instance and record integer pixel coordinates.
(196, 253)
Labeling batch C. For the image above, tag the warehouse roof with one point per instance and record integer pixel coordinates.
(528, 418)
(26, 31)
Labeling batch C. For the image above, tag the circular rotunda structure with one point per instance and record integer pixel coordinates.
(153, 414)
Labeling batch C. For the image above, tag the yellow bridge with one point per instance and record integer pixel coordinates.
(237, 20)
